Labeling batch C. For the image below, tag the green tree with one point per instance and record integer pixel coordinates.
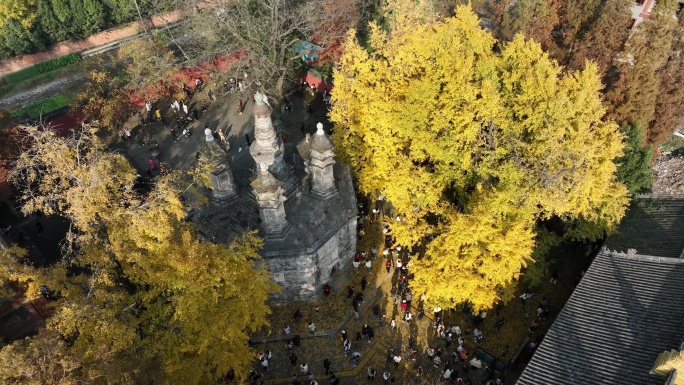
(474, 148)
(88, 15)
(141, 298)
(51, 28)
(63, 12)
(121, 11)
(634, 166)
(15, 39)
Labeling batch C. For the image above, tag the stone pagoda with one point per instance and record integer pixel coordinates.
(299, 198)
(218, 167)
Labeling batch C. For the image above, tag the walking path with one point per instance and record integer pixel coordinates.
(66, 47)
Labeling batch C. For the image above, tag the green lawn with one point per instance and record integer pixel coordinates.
(43, 107)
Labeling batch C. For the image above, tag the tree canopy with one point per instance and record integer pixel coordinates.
(140, 297)
(634, 166)
(473, 147)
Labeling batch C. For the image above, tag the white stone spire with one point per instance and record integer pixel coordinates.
(321, 164)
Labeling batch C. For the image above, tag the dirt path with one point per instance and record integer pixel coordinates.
(23, 98)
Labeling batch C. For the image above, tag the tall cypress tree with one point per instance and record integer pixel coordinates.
(605, 37)
(634, 98)
(670, 101)
(533, 18)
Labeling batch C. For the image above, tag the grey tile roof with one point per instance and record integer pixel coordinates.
(625, 311)
(653, 225)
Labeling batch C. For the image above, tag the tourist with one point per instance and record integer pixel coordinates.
(525, 297)
(397, 360)
(368, 264)
(407, 317)
(430, 353)
(364, 283)
(304, 368)
(312, 328)
(40, 227)
(264, 363)
(334, 380)
(287, 329)
(437, 361)
(350, 291)
(478, 335)
(326, 365)
(371, 373)
(293, 359)
(356, 263)
(440, 330)
(153, 164)
(241, 106)
(289, 345)
(326, 290)
(385, 377)
(347, 347)
(533, 326)
(388, 265)
(356, 357)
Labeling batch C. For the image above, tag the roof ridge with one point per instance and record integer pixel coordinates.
(641, 257)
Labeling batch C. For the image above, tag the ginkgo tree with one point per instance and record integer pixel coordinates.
(140, 297)
(473, 147)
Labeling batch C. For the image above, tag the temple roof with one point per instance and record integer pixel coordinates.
(653, 225)
(626, 310)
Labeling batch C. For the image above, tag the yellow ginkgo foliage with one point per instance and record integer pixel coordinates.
(140, 297)
(473, 142)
